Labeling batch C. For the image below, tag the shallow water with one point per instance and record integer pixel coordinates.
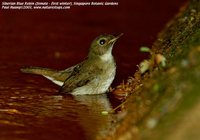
(30, 107)
(29, 112)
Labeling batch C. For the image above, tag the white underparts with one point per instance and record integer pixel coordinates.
(54, 81)
(107, 56)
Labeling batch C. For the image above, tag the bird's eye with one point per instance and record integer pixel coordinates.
(102, 41)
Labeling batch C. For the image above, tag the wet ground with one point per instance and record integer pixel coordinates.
(30, 107)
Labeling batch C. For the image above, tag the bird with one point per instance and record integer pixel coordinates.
(93, 75)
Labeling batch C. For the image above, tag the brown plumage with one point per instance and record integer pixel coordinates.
(92, 76)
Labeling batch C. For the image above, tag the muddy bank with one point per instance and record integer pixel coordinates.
(164, 100)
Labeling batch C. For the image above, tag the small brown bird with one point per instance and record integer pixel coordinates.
(92, 76)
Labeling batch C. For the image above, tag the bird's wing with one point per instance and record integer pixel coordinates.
(80, 77)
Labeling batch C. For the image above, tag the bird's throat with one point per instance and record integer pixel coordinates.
(107, 56)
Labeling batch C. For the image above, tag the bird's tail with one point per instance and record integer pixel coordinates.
(39, 71)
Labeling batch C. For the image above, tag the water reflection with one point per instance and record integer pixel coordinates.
(33, 114)
(93, 122)
(84, 111)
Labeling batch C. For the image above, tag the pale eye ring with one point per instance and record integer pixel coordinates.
(102, 41)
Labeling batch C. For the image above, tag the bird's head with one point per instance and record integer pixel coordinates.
(103, 44)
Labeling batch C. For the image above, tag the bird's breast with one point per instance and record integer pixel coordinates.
(104, 76)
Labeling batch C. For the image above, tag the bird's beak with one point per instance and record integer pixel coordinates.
(115, 39)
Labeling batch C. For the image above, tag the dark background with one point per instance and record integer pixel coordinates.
(61, 38)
